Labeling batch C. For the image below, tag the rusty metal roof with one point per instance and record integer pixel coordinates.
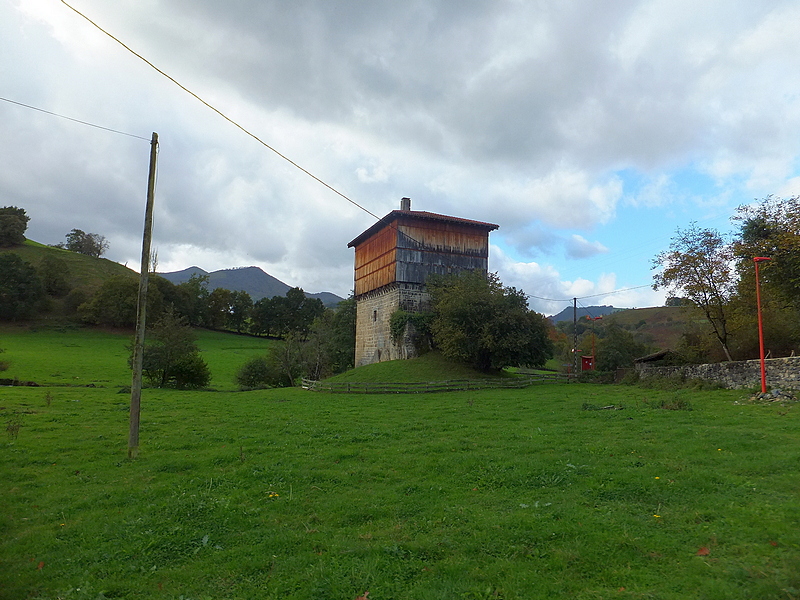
(423, 216)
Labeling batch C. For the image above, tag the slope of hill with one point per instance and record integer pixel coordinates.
(583, 311)
(661, 325)
(252, 280)
(84, 271)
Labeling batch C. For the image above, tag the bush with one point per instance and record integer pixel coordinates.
(171, 356)
(596, 377)
(254, 373)
(281, 367)
(191, 372)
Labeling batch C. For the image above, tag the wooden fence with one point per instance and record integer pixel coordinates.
(456, 385)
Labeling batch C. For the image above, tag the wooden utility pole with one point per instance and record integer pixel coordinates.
(141, 308)
(574, 337)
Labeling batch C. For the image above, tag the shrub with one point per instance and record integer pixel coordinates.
(253, 374)
(171, 356)
(190, 372)
(596, 377)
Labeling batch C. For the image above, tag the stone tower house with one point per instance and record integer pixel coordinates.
(394, 258)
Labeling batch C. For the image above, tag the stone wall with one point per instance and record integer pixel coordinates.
(373, 316)
(783, 373)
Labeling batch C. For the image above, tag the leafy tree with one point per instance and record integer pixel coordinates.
(240, 306)
(90, 244)
(195, 300)
(341, 336)
(771, 228)
(698, 264)
(171, 356)
(20, 288)
(262, 317)
(115, 303)
(54, 274)
(480, 322)
(617, 348)
(287, 361)
(13, 223)
(284, 315)
(219, 307)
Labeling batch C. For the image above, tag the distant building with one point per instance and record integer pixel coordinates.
(394, 258)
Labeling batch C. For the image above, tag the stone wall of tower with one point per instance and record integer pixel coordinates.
(373, 317)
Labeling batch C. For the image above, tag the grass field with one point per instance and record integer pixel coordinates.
(518, 494)
(79, 356)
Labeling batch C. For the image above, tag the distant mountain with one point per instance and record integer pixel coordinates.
(588, 311)
(252, 280)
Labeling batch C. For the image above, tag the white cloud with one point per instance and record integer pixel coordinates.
(579, 247)
(516, 113)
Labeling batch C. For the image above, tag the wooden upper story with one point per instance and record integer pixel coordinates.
(407, 246)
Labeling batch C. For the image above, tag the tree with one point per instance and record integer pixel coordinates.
(240, 307)
(284, 315)
(171, 356)
(341, 336)
(54, 274)
(262, 317)
(771, 228)
(115, 303)
(90, 244)
(698, 264)
(13, 223)
(195, 300)
(219, 307)
(20, 288)
(617, 349)
(480, 322)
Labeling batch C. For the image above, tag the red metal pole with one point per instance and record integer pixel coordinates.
(757, 260)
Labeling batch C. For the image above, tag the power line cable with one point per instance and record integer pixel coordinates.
(74, 120)
(223, 115)
(271, 148)
(638, 287)
(248, 132)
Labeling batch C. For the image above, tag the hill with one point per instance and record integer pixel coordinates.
(583, 311)
(252, 280)
(659, 326)
(84, 271)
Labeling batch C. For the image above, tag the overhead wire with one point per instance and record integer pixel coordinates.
(247, 131)
(223, 115)
(277, 152)
(48, 112)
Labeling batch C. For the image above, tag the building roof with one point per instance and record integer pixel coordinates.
(422, 216)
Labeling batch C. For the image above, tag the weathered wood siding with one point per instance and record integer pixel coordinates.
(407, 250)
(375, 264)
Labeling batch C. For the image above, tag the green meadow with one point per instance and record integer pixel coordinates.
(515, 494)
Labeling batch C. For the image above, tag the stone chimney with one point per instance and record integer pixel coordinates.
(405, 204)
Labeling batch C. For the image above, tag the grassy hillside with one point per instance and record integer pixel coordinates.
(661, 326)
(292, 495)
(84, 271)
(428, 367)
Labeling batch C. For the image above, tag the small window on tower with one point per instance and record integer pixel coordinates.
(374, 315)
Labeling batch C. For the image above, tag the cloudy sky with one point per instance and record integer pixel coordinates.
(587, 130)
